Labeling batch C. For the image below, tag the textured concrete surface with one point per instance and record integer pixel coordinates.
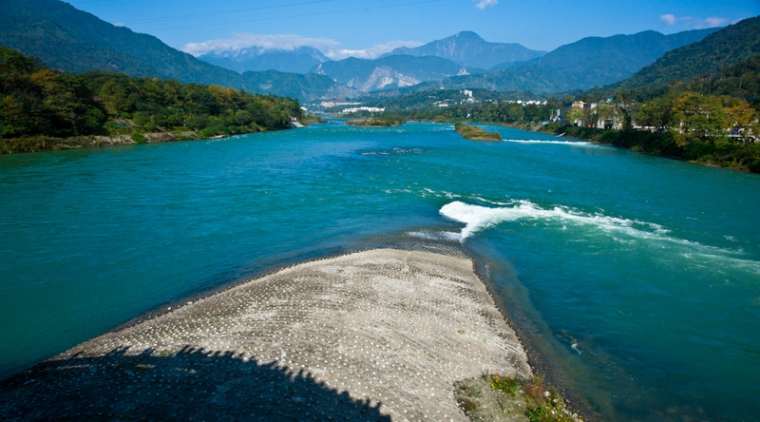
(370, 335)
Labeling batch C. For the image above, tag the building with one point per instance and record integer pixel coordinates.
(352, 110)
(556, 116)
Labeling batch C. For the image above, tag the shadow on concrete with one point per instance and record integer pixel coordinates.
(190, 384)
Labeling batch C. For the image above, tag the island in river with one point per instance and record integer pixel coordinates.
(376, 121)
(475, 133)
(375, 335)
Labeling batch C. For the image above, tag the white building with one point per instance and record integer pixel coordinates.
(352, 110)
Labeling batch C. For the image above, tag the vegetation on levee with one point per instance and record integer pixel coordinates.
(720, 152)
(377, 121)
(710, 129)
(44, 109)
(475, 133)
(501, 398)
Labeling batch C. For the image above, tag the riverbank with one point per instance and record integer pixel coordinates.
(723, 154)
(48, 143)
(381, 333)
(730, 155)
(726, 154)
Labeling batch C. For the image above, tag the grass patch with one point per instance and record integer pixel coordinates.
(506, 385)
(501, 398)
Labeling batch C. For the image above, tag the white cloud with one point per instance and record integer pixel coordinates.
(669, 19)
(369, 53)
(691, 22)
(268, 42)
(713, 21)
(331, 48)
(485, 4)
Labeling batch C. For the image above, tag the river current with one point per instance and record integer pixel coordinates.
(634, 280)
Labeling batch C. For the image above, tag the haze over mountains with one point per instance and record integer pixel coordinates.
(395, 71)
(460, 54)
(68, 39)
(298, 60)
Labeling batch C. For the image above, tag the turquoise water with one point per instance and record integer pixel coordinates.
(635, 279)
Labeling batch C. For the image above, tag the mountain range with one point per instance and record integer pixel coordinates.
(68, 39)
(584, 64)
(304, 87)
(71, 40)
(297, 60)
(394, 71)
(734, 45)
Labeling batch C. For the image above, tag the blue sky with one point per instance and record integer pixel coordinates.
(366, 28)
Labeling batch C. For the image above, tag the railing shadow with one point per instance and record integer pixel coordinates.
(190, 384)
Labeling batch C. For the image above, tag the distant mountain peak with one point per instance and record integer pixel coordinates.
(468, 48)
(469, 35)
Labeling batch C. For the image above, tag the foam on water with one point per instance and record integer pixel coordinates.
(392, 151)
(431, 192)
(437, 236)
(552, 142)
(477, 218)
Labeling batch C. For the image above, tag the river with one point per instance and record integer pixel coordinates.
(634, 280)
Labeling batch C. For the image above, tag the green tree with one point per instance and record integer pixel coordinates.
(698, 117)
(576, 115)
(657, 113)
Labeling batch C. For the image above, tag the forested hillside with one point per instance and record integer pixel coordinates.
(730, 46)
(37, 102)
(70, 40)
(741, 80)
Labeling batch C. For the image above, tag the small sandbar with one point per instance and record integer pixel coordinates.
(375, 335)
